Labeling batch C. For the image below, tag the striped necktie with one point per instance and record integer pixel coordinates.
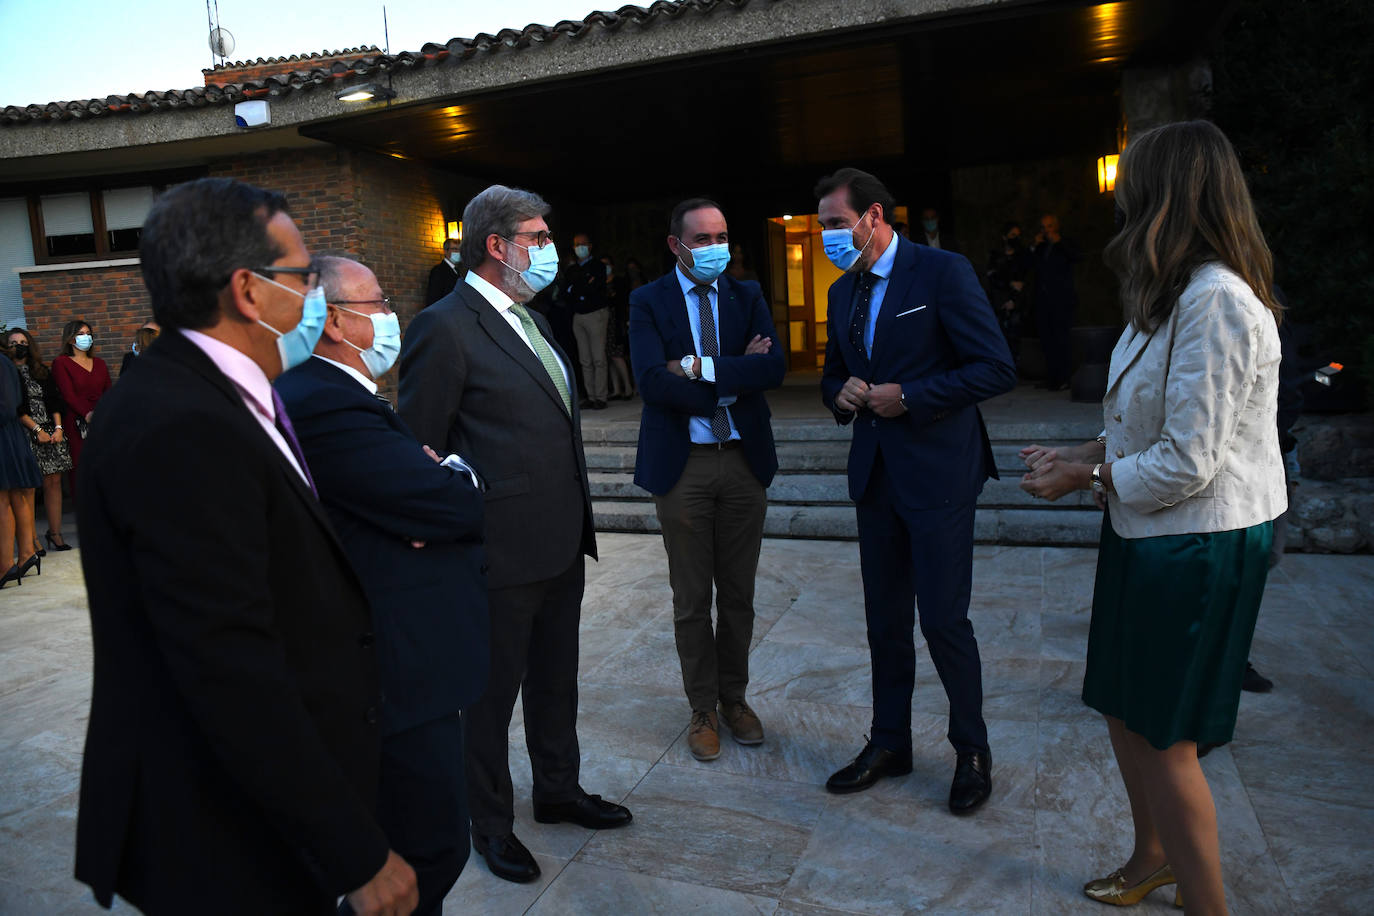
(710, 346)
(545, 354)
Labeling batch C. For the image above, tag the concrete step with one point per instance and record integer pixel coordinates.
(1020, 432)
(833, 490)
(1064, 528)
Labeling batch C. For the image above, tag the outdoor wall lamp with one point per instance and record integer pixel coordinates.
(1106, 173)
(455, 229)
(364, 92)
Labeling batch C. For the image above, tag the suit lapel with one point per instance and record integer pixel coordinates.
(1128, 348)
(677, 330)
(899, 284)
(505, 337)
(730, 324)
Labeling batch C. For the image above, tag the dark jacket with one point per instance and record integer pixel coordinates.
(443, 277)
(232, 753)
(660, 331)
(469, 385)
(429, 605)
(584, 286)
(936, 336)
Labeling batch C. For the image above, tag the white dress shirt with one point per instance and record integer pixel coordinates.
(882, 269)
(502, 303)
(699, 428)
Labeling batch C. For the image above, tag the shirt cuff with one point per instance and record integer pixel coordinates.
(458, 464)
(708, 369)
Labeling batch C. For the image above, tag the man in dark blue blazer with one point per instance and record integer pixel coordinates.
(412, 529)
(913, 347)
(704, 350)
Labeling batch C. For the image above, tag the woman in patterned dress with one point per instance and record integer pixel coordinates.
(43, 407)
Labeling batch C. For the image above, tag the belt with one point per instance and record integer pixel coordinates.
(717, 446)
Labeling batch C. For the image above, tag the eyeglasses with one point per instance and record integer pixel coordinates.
(313, 271)
(384, 302)
(541, 238)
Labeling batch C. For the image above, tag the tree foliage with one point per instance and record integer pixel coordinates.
(1294, 90)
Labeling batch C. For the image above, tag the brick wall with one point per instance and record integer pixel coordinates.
(111, 300)
(319, 189)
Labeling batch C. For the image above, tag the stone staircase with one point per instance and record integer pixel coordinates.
(809, 497)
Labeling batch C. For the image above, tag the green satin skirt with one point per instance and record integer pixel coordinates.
(1172, 621)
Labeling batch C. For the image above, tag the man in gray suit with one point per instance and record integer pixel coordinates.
(482, 377)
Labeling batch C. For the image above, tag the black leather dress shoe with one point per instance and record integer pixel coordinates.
(872, 764)
(507, 857)
(972, 782)
(590, 811)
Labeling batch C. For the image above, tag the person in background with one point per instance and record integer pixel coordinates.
(18, 478)
(1056, 299)
(932, 235)
(618, 295)
(142, 337)
(1189, 471)
(444, 276)
(43, 412)
(584, 290)
(82, 380)
(1008, 264)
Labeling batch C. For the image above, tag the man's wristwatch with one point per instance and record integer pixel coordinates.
(688, 365)
(1098, 485)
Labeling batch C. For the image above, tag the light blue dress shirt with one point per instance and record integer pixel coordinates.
(699, 428)
(882, 269)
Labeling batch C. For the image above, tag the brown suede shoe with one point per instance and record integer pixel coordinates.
(703, 740)
(743, 722)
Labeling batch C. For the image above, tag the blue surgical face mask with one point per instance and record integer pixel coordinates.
(295, 346)
(386, 342)
(543, 266)
(839, 245)
(582, 251)
(83, 342)
(708, 261)
(930, 225)
(454, 257)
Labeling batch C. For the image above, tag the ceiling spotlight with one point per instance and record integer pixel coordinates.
(364, 92)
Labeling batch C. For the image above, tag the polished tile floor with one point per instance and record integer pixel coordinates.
(754, 831)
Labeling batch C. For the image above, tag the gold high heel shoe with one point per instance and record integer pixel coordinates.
(1112, 889)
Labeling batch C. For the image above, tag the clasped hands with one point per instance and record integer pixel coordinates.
(1055, 472)
(759, 345)
(885, 400)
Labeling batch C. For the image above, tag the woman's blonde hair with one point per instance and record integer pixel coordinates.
(1185, 203)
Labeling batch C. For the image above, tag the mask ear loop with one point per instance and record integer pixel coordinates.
(871, 233)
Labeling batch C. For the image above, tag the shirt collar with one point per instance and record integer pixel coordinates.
(688, 284)
(499, 300)
(240, 368)
(883, 266)
(361, 379)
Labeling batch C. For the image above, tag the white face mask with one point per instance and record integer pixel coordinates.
(386, 342)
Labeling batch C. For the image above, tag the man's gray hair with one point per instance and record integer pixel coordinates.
(496, 211)
(331, 275)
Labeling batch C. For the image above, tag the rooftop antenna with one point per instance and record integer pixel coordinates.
(386, 33)
(221, 40)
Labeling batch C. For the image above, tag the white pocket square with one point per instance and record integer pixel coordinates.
(909, 311)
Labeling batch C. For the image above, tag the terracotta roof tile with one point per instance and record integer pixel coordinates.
(369, 62)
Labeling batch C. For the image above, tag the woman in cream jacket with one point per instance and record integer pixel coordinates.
(1189, 472)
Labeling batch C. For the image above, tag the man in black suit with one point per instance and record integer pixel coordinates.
(704, 351)
(1056, 300)
(482, 377)
(444, 276)
(413, 530)
(933, 235)
(912, 347)
(232, 753)
(584, 291)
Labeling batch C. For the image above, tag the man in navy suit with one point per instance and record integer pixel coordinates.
(913, 347)
(412, 528)
(704, 351)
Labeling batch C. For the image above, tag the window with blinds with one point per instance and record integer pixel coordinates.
(68, 224)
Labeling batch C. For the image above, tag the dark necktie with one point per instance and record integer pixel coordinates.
(858, 326)
(720, 423)
(289, 434)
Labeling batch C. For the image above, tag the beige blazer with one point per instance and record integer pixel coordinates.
(1190, 415)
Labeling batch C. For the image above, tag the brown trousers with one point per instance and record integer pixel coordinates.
(712, 522)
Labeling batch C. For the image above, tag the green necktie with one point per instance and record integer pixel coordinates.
(545, 354)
